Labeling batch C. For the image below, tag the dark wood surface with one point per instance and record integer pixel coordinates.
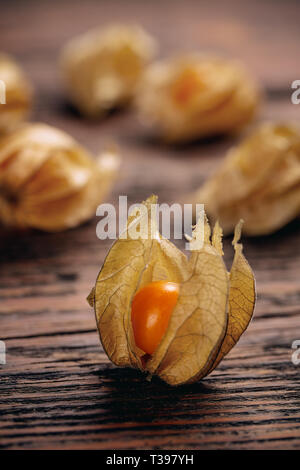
(58, 389)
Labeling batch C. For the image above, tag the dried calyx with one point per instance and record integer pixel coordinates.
(259, 181)
(15, 94)
(213, 307)
(102, 67)
(196, 96)
(48, 181)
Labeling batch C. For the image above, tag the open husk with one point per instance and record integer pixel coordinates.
(15, 94)
(48, 181)
(213, 309)
(195, 96)
(259, 181)
(102, 67)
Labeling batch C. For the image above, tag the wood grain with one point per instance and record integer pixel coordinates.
(58, 389)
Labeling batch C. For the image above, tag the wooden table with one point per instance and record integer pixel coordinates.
(58, 389)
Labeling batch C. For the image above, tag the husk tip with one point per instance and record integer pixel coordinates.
(91, 297)
(217, 238)
(237, 232)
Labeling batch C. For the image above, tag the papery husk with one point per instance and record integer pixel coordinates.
(241, 296)
(206, 313)
(259, 182)
(102, 67)
(129, 265)
(48, 181)
(18, 94)
(224, 101)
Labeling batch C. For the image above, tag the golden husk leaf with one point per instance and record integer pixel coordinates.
(259, 182)
(213, 307)
(102, 67)
(15, 94)
(48, 181)
(241, 298)
(196, 96)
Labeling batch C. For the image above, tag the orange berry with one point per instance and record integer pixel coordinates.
(185, 87)
(151, 309)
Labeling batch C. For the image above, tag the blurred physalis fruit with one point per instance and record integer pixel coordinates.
(259, 181)
(193, 96)
(15, 94)
(164, 313)
(102, 67)
(48, 181)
